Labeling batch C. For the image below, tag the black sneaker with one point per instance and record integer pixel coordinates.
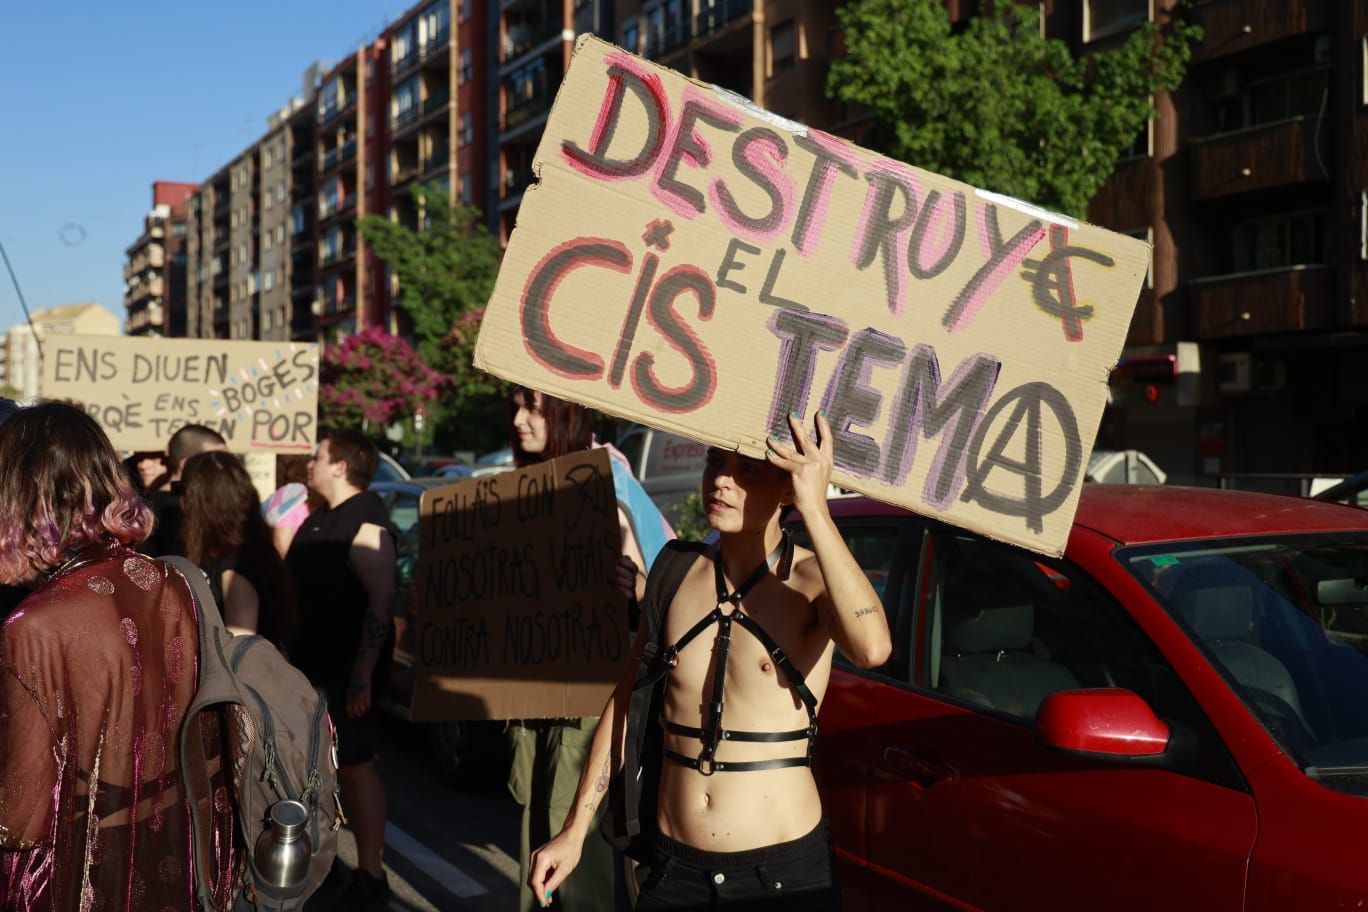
(365, 893)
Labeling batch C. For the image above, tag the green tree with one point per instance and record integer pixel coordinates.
(996, 104)
(446, 270)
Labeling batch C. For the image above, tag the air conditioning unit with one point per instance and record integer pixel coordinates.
(1233, 372)
(1270, 375)
(315, 307)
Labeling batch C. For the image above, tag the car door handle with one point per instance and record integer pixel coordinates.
(917, 767)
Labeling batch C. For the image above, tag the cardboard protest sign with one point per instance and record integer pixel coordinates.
(518, 615)
(690, 261)
(258, 395)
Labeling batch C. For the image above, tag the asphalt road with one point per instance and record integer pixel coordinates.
(444, 848)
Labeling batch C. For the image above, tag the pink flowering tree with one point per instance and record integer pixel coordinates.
(373, 379)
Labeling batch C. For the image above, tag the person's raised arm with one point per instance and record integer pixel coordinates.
(372, 558)
(852, 610)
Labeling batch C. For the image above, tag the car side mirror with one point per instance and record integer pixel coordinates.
(1107, 721)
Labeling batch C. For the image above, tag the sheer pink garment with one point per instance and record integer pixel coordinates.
(97, 668)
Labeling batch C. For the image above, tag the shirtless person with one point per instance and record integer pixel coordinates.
(739, 826)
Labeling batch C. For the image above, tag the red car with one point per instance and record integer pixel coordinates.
(1173, 716)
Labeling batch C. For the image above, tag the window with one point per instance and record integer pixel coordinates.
(467, 128)
(266, 241)
(1107, 17)
(467, 189)
(404, 106)
(466, 9)
(269, 157)
(268, 281)
(782, 49)
(402, 48)
(1140, 146)
(1280, 241)
(467, 71)
(434, 25)
(631, 37)
(1237, 104)
(329, 199)
(269, 200)
(370, 175)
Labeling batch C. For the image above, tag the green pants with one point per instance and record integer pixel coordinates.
(547, 756)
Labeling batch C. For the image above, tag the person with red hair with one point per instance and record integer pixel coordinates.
(97, 667)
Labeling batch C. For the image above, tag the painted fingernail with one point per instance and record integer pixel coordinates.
(822, 412)
(794, 414)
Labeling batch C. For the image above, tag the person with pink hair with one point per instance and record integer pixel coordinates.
(97, 667)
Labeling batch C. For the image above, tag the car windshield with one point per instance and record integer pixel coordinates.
(1285, 620)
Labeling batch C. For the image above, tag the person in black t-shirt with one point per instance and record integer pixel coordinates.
(343, 563)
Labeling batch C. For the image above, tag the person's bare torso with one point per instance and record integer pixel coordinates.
(734, 811)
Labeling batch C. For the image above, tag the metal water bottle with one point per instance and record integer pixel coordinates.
(283, 851)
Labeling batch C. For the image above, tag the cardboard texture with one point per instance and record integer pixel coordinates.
(518, 614)
(261, 396)
(693, 262)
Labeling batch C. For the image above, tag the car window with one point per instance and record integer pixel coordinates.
(1006, 628)
(881, 548)
(404, 515)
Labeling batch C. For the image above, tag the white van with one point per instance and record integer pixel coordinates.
(668, 466)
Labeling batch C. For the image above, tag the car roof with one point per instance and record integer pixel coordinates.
(1139, 514)
(409, 484)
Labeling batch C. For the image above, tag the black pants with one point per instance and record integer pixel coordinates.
(793, 876)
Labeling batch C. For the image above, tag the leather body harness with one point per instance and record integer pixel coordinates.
(712, 734)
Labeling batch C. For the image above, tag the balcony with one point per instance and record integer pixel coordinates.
(1257, 158)
(339, 155)
(406, 117)
(437, 43)
(1256, 303)
(401, 172)
(438, 101)
(439, 158)
(1237, 25)
(520, 39)
(406, 62)
(722, 13)
(527, 109)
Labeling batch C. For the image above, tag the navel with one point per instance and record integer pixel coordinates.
(707, 799)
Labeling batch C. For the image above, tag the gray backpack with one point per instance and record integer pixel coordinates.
(256, 733)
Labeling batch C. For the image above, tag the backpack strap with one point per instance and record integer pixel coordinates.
(667, 573)
(194, 765)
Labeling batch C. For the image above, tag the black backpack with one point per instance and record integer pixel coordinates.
(629, 824)
(258, 717)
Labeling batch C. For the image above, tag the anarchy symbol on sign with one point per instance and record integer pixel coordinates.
(1051, 281)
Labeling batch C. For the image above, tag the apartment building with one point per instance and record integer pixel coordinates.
(1248, 352)
(20, 364)
(154, 274)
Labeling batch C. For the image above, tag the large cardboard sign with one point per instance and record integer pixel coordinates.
(261, 396)
(518, 615)
(690, 261)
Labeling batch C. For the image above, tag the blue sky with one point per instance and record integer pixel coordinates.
(100, 99)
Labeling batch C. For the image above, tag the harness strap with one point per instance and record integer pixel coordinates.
(728, 734)
(709, 766)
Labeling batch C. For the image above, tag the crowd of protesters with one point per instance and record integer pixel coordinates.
(100, 640)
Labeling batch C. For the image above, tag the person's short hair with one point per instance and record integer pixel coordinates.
(355, 449)
(7, 408)
(569, 426)
(62, 489)
(191, 440)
